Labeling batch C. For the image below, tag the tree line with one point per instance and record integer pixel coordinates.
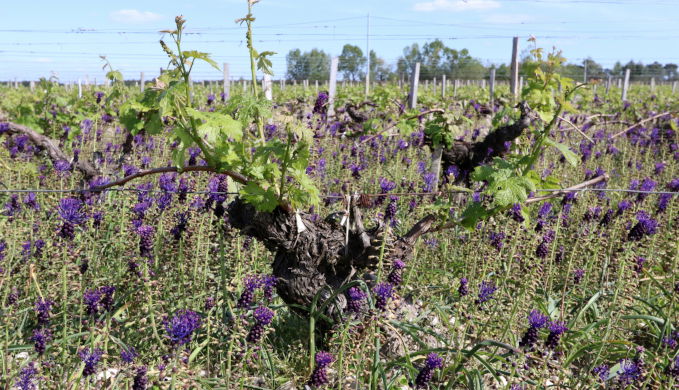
(436, 60)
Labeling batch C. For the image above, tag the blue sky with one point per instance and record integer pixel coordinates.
(41, 37)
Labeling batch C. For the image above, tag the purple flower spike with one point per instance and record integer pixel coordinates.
(425, 375)
(320, 377)
(181, 327)
(383, 292)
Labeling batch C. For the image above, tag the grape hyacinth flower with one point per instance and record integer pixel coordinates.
(556, 329)
(425, 375)
(395, 276)
(40, 338)
(516, 214)
(30, 201)
(319, 376)
(71, 215)
(98, 299)
(321, 106)
(252, 283)
(128, 354)
(645, 226)
(27, 377)
(355, 298)
(639, 264)
(486, 291)
(673, 369)
(578, 274)
(536, 321)
(383, 292)
(140, 380)
(178, 230)
(268, 285)
(496, 240)
(43, 307)
(146, 233)
(464, 287)
(646, 185)
(91, 358)
(630, 372)
(390, 211)
(181, 327)
(602, 372)
(263, 317)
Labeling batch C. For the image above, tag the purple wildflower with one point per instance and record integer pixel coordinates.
(263, 317)
(268, 284)
(486, 291)
(43, 307)
(355, 298)
(27, 377)
(91, 358)
(645, 226)
(319, 376)
(536, 320)
(383, 292)
(516, 214)
(496, 240)
(71, 215)
(578, 274)
(395, 277)
(146, 233)
(128, 354)
(252, 283)
(140, 381)
(425, 375)
(181, 327)
(631, 371)
(40, 338)
(464, 287)
(602, 372)
(556, 329)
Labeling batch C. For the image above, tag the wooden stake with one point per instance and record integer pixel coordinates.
(514, 83)
(625, 86)
(414, 81)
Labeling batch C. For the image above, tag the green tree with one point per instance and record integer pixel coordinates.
(352, 62)
(670, 71)
(313, 65)
(379, 70)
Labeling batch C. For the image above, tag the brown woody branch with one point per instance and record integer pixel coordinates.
(50, 147)
(641, 122)
(238, 177)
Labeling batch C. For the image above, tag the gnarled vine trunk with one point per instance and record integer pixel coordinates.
(320, 257)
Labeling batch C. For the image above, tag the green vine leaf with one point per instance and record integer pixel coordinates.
(568, 154)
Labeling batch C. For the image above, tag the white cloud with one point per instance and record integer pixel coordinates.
(456, 5)
(134, 16)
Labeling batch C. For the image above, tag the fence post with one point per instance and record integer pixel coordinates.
(80, 88)
(443, 85)
(266, 87)
(141, 82)
(625, 86)
(492, 87)
(414, 81)
(514, 83)
(226, 82)
(652, 84)
(674, 87)
(332, 86)
(456, 84)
